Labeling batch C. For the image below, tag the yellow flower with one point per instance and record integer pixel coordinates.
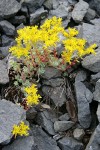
(66, 56)
(16, 130)
(23, 129)
(71, 32)
(32, 96)
(20, 129)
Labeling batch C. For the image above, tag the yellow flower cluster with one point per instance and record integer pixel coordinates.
(75, 46)
(71, 32)
(20, 129)
(33, 38)
(32, 96)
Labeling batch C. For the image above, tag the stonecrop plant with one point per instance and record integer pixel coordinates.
(36, 48)
(31, 95)
(21, 130)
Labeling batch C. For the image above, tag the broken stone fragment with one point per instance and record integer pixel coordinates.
(79, 11)
(60, 126)
(10, 114)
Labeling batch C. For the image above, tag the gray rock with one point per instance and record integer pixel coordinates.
(92, 62)
(24, 11)
(64, 2)
(98, 112)
(79, 11)
(92, 32)
(38, 15)
(72, 2)
(83, 99)
(97, 91)
(95, 77)
(96, 21)
(66, 22)
(7, 28)
(58, 136)
(31, 113)
(45, 120)
(57, 94)
(81, 76)
(4, 51)
(94, 143)
(69, 143)
(51, 4)
(60, 126)
(54, 82)
(80, 30)
(7, 41)
(32, 5)
(61, 11)
(91, 14)
(3, 73)
(64, 117)
(78, 134)
(18, 20)
(9, 8)
(26, 143)
(95, 4)
(42, 140)
(51, 72)
(59, 48)
(20, 26)
(89, 95)
(10, 114)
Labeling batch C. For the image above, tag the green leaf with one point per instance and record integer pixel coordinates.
(41, 70)
(26, 83)
(16, 83)
(25, 69)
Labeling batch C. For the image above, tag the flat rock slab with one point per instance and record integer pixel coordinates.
(57, 94)
(45, 120)
(69, 143)
(64, 117)
(91, 32)
(83, 96)
(10, 114)
(3, 73)
(7, 28)
(4, 51)
(61, 126)
(97, 91)
(92, 62)
(51, 72)
(61, 11)
(38, 15)
(42, 140)
(7, 41)
(53, 82)
(98, 112)
(26, 143)
(8, 8)
(32, 4)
